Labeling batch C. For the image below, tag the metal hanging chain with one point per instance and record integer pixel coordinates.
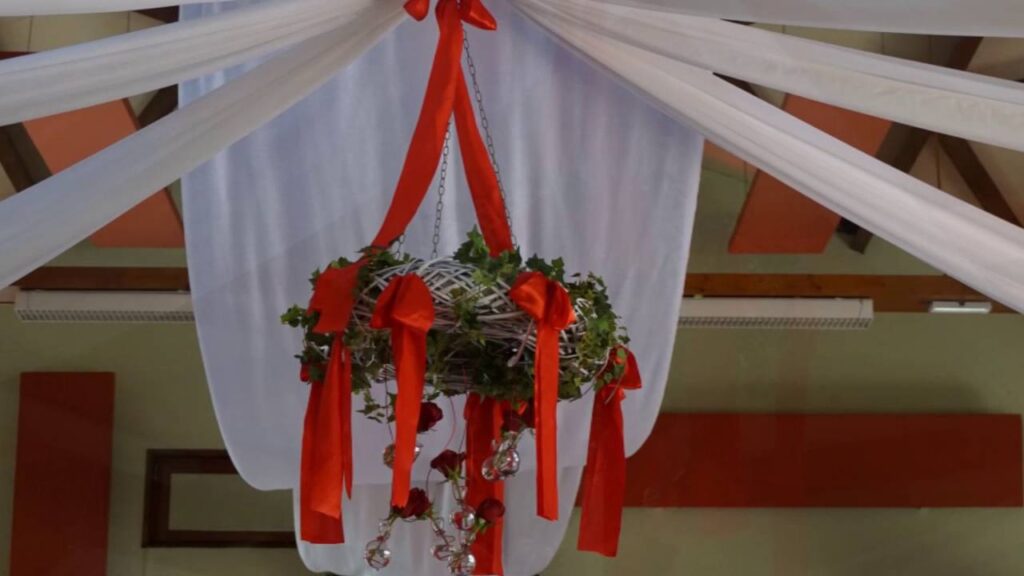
(487, 131)
(441, 179)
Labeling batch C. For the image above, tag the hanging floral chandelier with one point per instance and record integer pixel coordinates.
(514, 336)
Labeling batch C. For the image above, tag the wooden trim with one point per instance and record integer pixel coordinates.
(156, 516)
(889, 293)
(105, 278)
(905, 293)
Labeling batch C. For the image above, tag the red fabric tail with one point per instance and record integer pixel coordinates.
(604, 480)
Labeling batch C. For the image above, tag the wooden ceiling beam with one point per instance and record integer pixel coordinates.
(974, 173)
(902, 293)
(163, 103)
(106, 278)
(166, 15)
(903, 144)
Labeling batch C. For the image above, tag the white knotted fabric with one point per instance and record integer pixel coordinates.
(81, 75)
(971, 106)
(40, 222)
(593, 175)
(954, 17)
(969, 244)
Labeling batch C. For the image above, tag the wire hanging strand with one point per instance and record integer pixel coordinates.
(478, 96)
(441, 179)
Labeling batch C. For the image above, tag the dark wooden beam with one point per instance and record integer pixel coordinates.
(741, 84)
(166, 15)
(889, 293)
(974, 173)
(902, 293)
(113, 278)
(163, 103)
(12, 162)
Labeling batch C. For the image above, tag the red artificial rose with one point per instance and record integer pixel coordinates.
(430, 414)
(490, 510)
(304, 372)
(517, 421)
(448, 462)
(416, 505)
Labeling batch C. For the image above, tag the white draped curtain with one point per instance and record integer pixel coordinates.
(294, 129)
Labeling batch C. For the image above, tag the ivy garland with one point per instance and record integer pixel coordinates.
(489, 368)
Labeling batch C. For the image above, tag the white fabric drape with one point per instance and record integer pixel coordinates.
(969, 244)
(968, 105)
(530, 545)
(48, 218)
(955, 17)
(103, 70)
(593, 175)
(43, 7)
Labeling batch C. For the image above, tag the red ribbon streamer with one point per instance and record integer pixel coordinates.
(407, 309)
(327, 451)
(334, 294)
(484, 419)
(548, 303)
(604, 481)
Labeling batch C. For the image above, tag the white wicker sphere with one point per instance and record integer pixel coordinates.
(500, 318)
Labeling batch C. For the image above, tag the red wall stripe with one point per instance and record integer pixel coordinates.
(62, 474)
(829, 460)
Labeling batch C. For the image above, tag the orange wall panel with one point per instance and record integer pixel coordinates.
(62, 474)
(829, 460)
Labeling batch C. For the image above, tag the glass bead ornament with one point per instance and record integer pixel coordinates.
(389, 454)
(464, 565)
(377, 554)
(464, 519)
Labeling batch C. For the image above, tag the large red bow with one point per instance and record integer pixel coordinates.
(327, 451)
(407, 309)
(548, 303)
(604, 481)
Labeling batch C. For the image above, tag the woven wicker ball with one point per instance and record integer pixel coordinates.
(500, 319)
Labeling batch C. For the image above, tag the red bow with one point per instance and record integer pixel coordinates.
(484, 419)
(604, 482)
(327, 451)
(548, 303)
(407, 309)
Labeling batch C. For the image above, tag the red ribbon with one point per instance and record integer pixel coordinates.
(604, 481)
(327, 451)
(407, 309)
(484, 418)
(334, 294)
(548, 303)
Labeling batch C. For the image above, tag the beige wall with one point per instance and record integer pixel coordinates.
(161, 402)
(904, 363)
(911, 363)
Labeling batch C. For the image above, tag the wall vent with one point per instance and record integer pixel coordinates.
(777, 313)
(103, 307)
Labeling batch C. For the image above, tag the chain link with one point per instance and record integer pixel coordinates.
(441, 179)
(478, 96)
